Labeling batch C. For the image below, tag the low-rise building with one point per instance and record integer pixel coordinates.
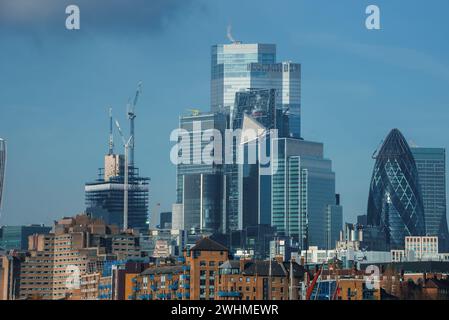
(258, 280)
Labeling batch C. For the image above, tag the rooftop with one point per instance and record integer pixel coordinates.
(206, 244)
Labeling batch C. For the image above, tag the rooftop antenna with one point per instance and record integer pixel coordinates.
(229, 35)
(131, 116)
(111, 135)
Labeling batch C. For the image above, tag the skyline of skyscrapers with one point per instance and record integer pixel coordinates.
(250, 91)
(249, 88)
(395, 202)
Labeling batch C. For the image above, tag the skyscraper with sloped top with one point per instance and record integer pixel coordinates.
(395, 202)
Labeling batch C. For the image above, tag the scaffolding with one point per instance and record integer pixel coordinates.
(104, 199)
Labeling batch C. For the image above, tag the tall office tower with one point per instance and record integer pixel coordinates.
(334, 223)
(238, 66)
(104, 197)
(255, 107)
(395, 202)
(303, 203)
(199, 183)
(2, 167)
(431, 164)
(254, 188)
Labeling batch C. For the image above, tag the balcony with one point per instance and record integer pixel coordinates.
(230, 294)
(173, 286)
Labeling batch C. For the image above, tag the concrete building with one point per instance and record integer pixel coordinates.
(421, 248)
(77, 246)
(10, 264)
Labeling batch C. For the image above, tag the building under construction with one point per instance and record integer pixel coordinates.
(106, 197)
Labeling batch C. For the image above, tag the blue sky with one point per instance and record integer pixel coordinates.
(56, 85)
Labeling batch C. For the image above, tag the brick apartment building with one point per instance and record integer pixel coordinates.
(58, 261)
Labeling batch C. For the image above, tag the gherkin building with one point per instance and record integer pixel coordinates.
(395, 202)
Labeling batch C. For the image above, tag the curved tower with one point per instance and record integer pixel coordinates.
(2, 167)
(395, 201)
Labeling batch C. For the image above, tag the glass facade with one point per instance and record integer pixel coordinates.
(431, 165)
(200, 185)
(395, 201)
(248, 192)
(303, 194)
(237, 66)
(334, 224)
(16, 237)
(2, 167)
(202, 202)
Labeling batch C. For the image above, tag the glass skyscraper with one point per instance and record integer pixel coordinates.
(16, 237)
(395, 202)
(199, 184)
(304, 203)
(237, 66)
(431, 164)
(246, 190)
(2, 167)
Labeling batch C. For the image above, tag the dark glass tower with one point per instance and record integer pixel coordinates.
(431, 164)
(395, 201)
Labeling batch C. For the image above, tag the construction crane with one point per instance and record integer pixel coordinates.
(311, 286)
(131, 108)
(111, 134)
(126, 145)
